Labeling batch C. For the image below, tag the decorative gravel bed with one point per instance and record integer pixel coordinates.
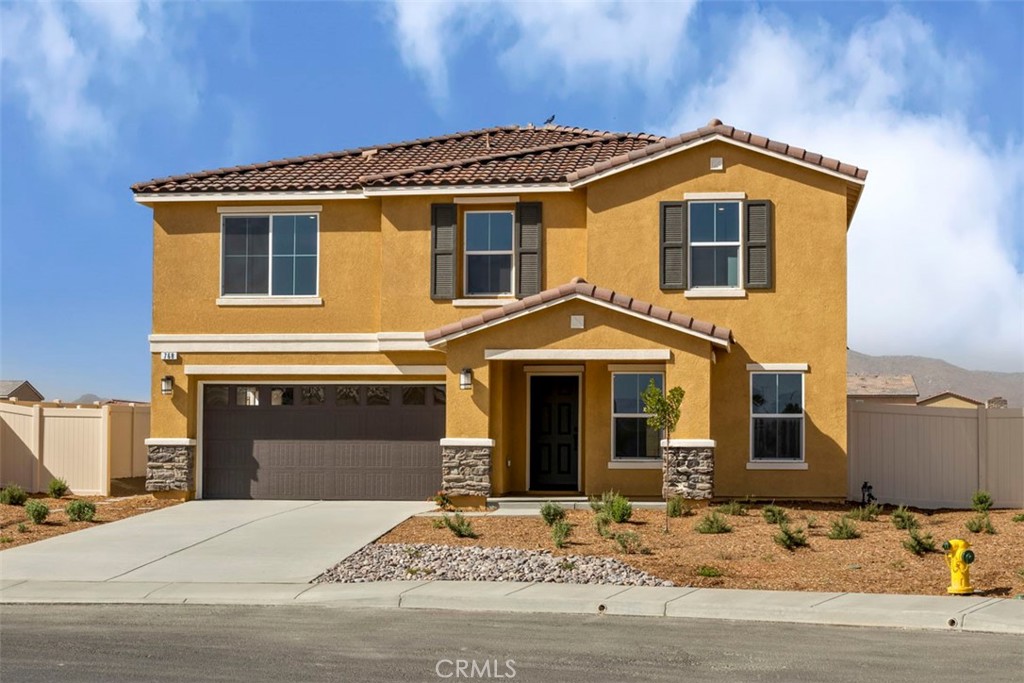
(426, 562)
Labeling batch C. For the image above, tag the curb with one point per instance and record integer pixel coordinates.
(972, 613)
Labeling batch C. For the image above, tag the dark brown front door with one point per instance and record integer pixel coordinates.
(554, 433)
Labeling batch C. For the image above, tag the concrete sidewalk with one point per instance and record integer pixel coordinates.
(981, 614)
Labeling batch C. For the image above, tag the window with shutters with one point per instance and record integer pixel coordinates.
(269, 255)
(488, 250)
(714, 244)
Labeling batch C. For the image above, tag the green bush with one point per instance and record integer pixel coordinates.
(6, 539)
(58, 488)
(459, 525)
(865, 513)
(552, 512)
(843, 530)
(80, 511)
(918, 544)
(22, 528)
(773, 514)
(630, 543)
(560, 532)
(708, 572)
(601, 521)
(812, 522)
(619, 508)
(734, 508)
(677, 506)
(713, 523)
(1019, 518)
(13, 495)
(981, 501)
(979, 523)
(790, 539)
(902, 518)
(37, 511)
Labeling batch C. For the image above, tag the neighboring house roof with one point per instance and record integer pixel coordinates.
(950, 394)
(578, 288)
(881, 385)
(489, 156)
(10, 387)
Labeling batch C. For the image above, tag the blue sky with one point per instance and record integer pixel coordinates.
(95, 96)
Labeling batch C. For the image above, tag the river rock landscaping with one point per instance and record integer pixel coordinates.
(420, 561)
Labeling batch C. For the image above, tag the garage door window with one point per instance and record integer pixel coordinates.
(247, 396)
(282, 396)
(215, 396)
(312, 396)
(348, 396)
(378, 396)
(414, 396)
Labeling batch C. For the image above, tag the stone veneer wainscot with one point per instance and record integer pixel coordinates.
(171, 468)
(466, 470)
(688, 471)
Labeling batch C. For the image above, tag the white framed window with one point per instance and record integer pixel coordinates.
(714, 251)
(274, 255)
(488, 253)
(776, 417)
(632, 437)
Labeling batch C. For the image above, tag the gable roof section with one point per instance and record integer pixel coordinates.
(952, 394)
(881, 385)
(578, 288)
(507, 155)
(9, 386)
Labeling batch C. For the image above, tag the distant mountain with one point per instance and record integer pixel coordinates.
(88, 398)
(933, 376)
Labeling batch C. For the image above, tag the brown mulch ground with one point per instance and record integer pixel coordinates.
(57, 523)
(749, 558)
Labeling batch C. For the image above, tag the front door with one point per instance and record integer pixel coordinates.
(554, 433)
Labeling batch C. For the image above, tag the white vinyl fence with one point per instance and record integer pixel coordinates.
(87, 446)
(936, 457)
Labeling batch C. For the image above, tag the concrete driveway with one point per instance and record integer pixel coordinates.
(227, 541)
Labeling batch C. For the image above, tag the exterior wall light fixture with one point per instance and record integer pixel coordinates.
(466, 378)
(167, 385)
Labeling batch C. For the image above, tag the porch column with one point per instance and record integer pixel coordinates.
(466, 466)
(170, 466)
(688, 468)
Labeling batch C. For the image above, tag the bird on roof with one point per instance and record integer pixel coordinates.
(551, 119)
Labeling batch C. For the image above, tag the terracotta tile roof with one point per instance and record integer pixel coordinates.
(881, 385)
(499, 155)
(580, 287)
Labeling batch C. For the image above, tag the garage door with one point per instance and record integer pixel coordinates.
(322, 442)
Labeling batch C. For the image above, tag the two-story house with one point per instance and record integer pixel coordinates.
(480, 312)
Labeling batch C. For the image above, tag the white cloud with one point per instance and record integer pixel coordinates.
(931, 249)
(567, 45)
(79, 70)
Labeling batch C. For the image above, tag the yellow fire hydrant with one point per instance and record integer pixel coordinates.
(959, 558)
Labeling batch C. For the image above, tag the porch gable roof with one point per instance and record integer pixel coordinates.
(578, 288)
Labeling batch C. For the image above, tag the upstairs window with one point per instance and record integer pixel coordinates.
(714, 244)
(488, 253)
(270, 255)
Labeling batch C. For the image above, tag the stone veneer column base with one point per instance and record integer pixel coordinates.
(688, 471)
(466, 470)
(171, 468)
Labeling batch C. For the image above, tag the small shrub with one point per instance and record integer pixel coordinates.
(812, 522)
(596, 504)
(567, 565)
(979, 523)
(1019, 518)
(713, 523)
(560, 531)
(601, 521)
(773, 514)
(790, 539)
(708, 572)
(58, 488)
(734, 508)
(13, 495)
(981, 501)
(630, 543)
(552, 512)
(902, 518)
(677, 506)
(459, 525)
(843, 530)
(22, 528)
(443, 500)
(6, 539)
(37, 511)
(619, 508)
(865, 513)
(437, 523)
(918, 544)
(80, 511)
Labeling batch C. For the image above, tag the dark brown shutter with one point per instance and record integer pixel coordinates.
(443, 230)
(673, 238)
(758, 244)
(529, 240)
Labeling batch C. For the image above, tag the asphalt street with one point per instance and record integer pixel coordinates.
(173, 643)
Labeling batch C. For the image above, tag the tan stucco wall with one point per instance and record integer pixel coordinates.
(948, 402)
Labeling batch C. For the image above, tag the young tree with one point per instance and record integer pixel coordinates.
(664, 408)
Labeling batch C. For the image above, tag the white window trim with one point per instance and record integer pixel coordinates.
(483, 302)
(701, 290)
(715, 293)
(466, 253)
(617, 462)
(295, 299)
(778, 464)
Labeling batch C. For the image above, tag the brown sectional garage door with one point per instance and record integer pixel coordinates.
(322, 442)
